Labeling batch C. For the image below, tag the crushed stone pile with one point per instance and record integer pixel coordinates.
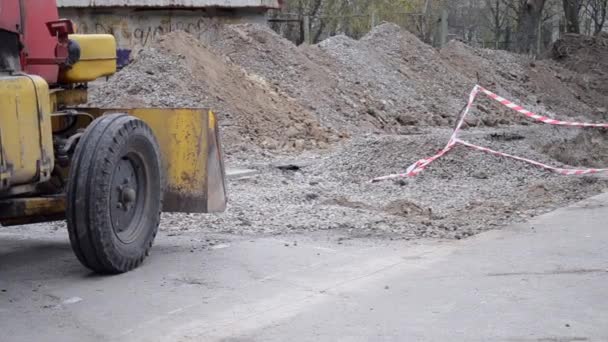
(389, 79)
(387, 95)
(179, 71)
(501, 71)
(313, 81)
(397, 99)
(436, 85)
(386, 81)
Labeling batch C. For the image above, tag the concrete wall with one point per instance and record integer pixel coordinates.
(134, 29)
(169, 3)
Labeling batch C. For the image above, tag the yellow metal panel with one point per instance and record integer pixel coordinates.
(25, 129)
(70, 97)
(97, 58)
(191, 156)
(181, 135)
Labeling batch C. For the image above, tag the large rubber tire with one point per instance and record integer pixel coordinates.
(114, 194)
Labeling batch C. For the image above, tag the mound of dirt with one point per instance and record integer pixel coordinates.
(387, 96)
(288, 69)
(541, 86)
(272, 94)
(437, 86)
(179, 71)
(588, 148)
(501, 71)
(587, 57)
(386, 80)
(581, 53)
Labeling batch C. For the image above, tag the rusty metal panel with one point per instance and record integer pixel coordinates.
(31, 210)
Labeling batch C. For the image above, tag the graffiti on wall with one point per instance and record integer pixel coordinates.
(147, 34)
(135, 34)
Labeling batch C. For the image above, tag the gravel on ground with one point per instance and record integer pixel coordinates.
(320, 121)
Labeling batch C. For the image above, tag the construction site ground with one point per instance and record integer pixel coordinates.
(345, 111)
(543, 280)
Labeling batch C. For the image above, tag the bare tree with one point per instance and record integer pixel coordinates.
(469, 19)
(497, 17)
(529, 15)
(598, 11)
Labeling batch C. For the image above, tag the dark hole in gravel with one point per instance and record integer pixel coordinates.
(505, 136)
(290, 167)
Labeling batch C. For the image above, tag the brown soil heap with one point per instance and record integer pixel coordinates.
(179, 71)
(274, 95)
(587, 58)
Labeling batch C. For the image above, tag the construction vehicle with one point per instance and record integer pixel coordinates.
(108, 172)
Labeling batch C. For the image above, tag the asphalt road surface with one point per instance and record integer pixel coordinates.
(546, 280)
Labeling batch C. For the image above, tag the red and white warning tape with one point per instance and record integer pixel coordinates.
(537, 117)
(420, 165)
(566, 172)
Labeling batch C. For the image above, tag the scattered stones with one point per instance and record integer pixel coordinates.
(445, 201)
(406, 208)
(480, 175)
(312, 197)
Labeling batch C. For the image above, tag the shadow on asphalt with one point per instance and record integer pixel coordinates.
(44, 258)
(39, 258)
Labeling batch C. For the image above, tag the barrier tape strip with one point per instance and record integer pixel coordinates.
(537, 117)
(421, 164)
(561, 171)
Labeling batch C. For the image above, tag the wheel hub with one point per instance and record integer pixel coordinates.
(128, 196)
(126, 201)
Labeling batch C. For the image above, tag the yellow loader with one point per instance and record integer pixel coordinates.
(109, 172)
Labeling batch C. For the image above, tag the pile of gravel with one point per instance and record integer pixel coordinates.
(462, 194)
(397, 98)
(295, 71)
(275, 95)
(542, 86)
(388, 96)
(387, 80)
(178, 71)
(438, 86)
(587, 59)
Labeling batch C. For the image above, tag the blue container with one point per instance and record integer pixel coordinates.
(123, 57)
